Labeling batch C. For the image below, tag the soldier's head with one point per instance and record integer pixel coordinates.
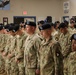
(2, 29)
(63, 28)
(10, 30)
(73, 40)
(46, 30)
(30, 27)
(17, 29)
(56, 25)
(6, 29)
(40, 23)
(72, 23)
(22, 26)
(66, 22)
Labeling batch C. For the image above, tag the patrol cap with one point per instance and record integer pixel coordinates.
(1, 24)
(66, 22)
(41, 22)
(30, 23)
(7, 28)
(11, 28)
(72, 22)
(2, 27)
(52, 24)
(57, 22)
(16, 28)
(72, 19)
(73, 37)
(45, 26)
(62, 25)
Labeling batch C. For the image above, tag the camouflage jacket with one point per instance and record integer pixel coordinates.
(49, 54)
(31, 48)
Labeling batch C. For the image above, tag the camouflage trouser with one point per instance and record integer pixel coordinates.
(8, 67)
(2, 66)
(14, 68)
(31, 72)
(71, 73)
(65, 67)
(21, 68)
(47, 71)
(4, 73)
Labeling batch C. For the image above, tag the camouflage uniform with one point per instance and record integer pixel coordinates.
(72, 63)
(55, 34)
(49, 54)
(65, 44)
(8, 50)
(20, 53)
(32, 45)
(2, 63)
(14, 65)
(72, 30)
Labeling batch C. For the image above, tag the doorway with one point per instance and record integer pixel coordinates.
(19, 19)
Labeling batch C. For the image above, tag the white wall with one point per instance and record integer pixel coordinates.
(38, 8)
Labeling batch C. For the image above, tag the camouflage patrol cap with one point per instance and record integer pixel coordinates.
(73, 37)
(45, 26)
(30, 23)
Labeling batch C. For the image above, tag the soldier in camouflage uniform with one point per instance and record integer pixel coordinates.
(12, 53)
(49, 53)
(55, 32)
(40, 23)
(72, 29)
(2, 62)
(11, 65)
(31, 48)
(20, 52)
(65, 44)
(72, 57)
(8, 49)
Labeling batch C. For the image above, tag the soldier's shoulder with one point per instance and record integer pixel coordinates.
(61, 35)
(16, 36)
(54, 43)
(36, 37)
(72, 53)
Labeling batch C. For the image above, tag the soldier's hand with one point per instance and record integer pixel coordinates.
(37, 71)
(16, 60)
(4, 53)
(9, 56)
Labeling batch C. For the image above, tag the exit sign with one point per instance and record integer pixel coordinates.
(24, 12)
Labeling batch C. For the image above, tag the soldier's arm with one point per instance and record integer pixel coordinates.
(57, 59)
(21, 51)
(8, 44)
(67, 48)
(2, 43)
(37, 47)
